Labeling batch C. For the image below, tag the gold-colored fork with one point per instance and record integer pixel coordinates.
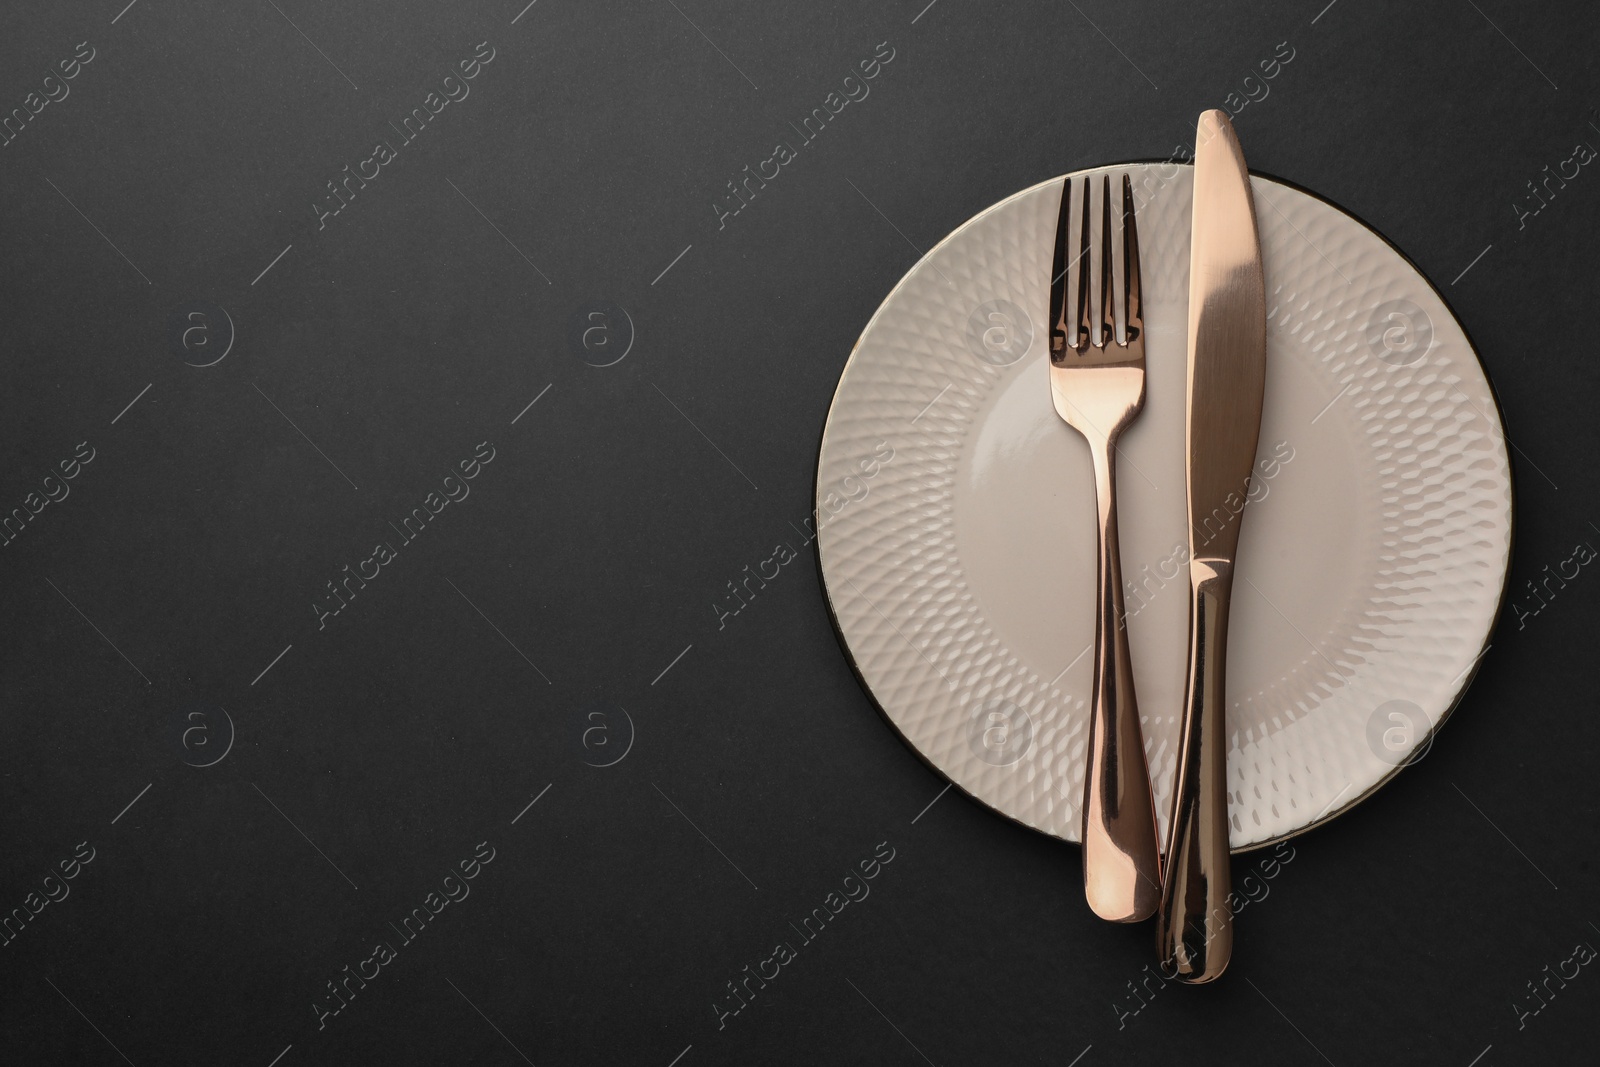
(1097, 384)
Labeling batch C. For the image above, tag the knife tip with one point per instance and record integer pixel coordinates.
(1216, 129)
(1214, 121)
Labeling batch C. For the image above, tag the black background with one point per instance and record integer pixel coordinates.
(380, 750)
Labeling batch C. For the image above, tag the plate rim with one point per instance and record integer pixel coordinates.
(1422, 748)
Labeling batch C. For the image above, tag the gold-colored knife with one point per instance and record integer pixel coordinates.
(1227, 374)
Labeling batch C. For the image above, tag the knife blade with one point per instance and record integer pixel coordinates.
(1227, 376)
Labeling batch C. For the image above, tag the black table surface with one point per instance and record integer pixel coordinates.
(364, 695)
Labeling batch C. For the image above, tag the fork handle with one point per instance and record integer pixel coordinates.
(1121, 854)
(1195, 925)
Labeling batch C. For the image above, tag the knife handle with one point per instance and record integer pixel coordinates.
(1195, 923)
(1121, 849)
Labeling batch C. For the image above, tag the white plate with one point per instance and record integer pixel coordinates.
(957, 530)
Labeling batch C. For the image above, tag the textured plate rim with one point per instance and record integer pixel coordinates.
(1423, 746)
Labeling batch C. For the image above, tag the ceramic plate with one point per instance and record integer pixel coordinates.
(957, 521)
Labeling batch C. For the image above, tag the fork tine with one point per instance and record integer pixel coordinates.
(1060, 321)
(1132, 300)
(1106, 328)
(1082, 265)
